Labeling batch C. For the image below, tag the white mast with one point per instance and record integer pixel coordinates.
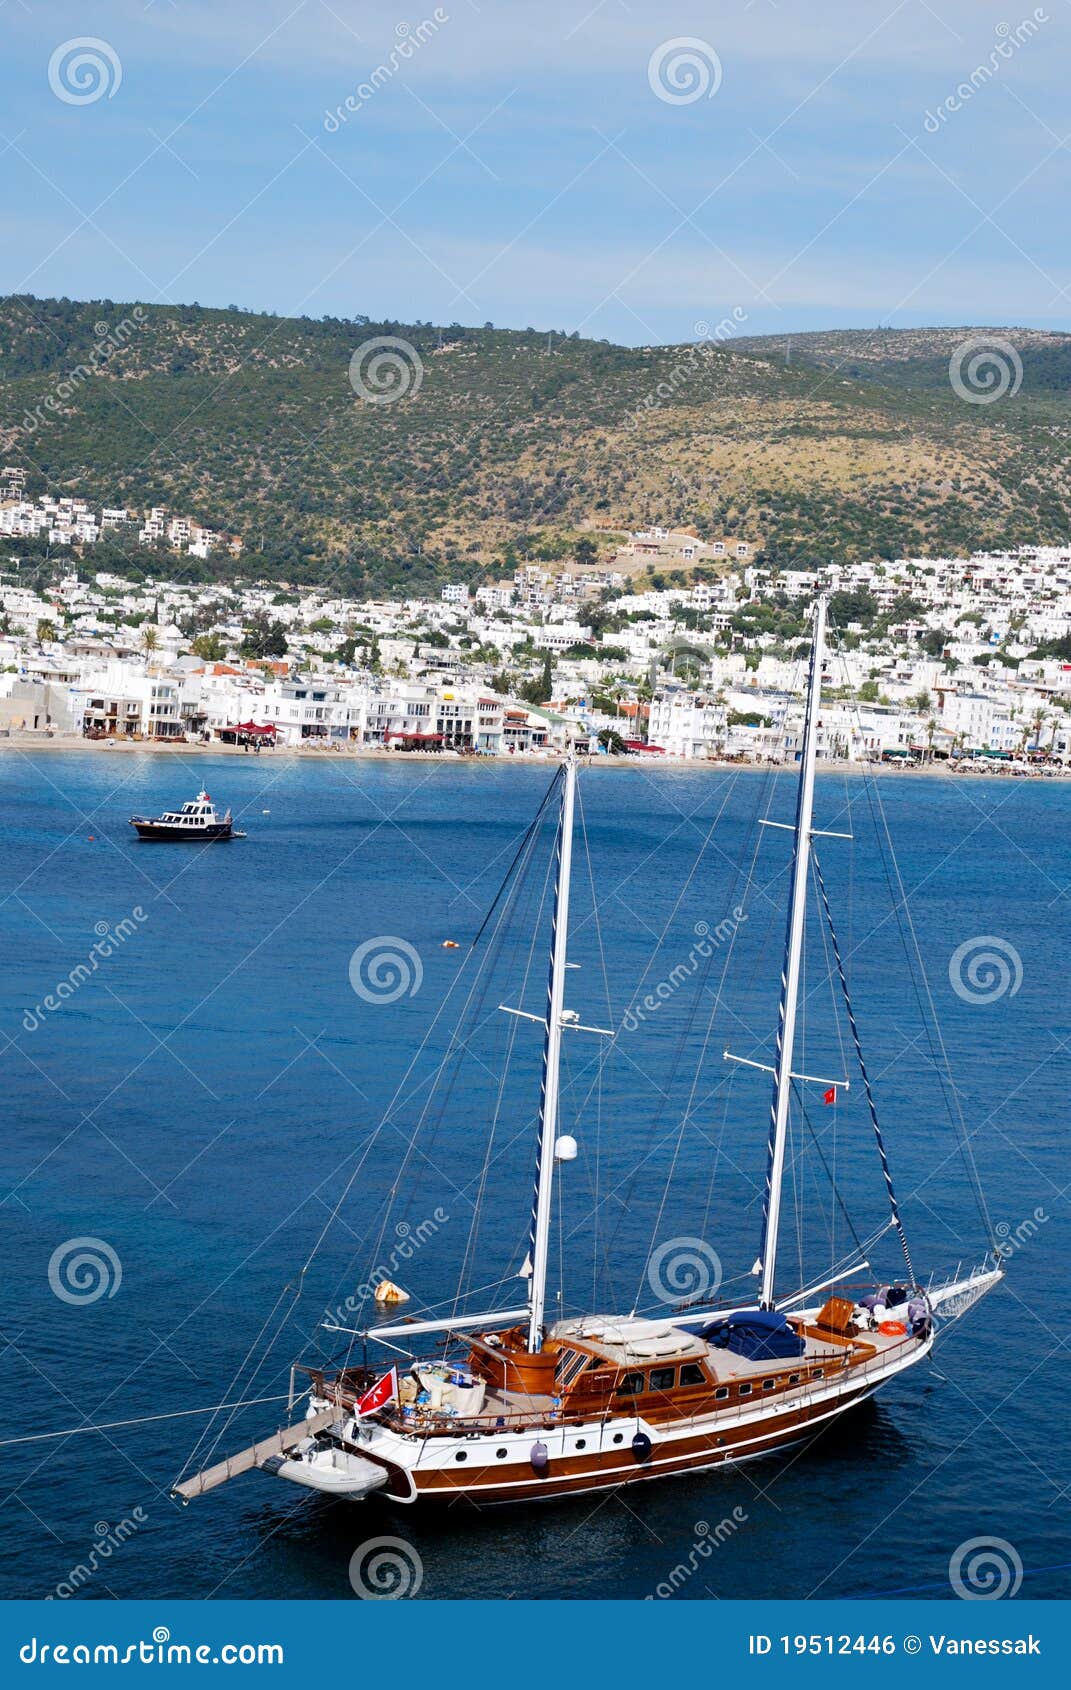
(548, 1112)
(790, 979)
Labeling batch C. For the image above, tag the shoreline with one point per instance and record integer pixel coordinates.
(56, 743)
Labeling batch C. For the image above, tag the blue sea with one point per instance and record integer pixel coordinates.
(200, 1048)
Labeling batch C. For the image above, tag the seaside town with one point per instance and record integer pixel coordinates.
(666, 646)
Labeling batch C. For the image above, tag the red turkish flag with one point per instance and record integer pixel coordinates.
(830, 1096)
(379, 1394)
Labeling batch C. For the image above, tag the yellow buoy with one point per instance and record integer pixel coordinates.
(388, 1292)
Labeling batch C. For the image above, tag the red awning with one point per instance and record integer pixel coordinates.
(398, 734)
(248, 728)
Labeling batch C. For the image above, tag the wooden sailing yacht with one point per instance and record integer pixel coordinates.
(516, 1407)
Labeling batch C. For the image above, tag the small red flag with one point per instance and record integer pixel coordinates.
(830, 1096)
(379, 1394)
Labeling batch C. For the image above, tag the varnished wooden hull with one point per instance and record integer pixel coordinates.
(608, 1466)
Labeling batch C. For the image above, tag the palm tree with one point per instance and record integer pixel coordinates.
(46, 631)
(150, 639)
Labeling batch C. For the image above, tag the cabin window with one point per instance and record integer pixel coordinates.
(769, 1384)
(571, 1363)
(619, 1437)
(595, 1363)
(631, 1385)
(692, 1374)
(745, 1390)
(581, 1443)
(500, 1454)
(818, 1373)
(721, 1393)
(662, 1378)
(462, 1455)
(793, 1378)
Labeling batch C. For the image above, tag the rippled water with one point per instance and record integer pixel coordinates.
(198, 1099)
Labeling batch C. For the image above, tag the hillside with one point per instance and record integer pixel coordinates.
(839, 445)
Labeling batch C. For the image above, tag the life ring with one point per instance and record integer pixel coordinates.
(893, 1329)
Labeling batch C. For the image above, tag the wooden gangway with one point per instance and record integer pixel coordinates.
(255, 1456)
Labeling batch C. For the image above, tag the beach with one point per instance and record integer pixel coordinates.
(32, 743)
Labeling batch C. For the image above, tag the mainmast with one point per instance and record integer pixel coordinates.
(539, 1245)
(790, 977)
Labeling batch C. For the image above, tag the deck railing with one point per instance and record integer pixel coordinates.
(839, 1364)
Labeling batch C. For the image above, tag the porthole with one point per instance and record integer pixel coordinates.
(501, 1454)
(619, 1437)
(581, 1443)
(462, 1455)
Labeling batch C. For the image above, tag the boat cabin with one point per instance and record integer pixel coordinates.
(194, 814)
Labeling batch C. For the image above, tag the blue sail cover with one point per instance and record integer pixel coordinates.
(756, 1334)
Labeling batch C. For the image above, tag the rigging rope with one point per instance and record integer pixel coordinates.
(831, 1176)
(931, 1027)
(471, 1246)
(529, 835)
(142, 1420)
(871, 1105)
(359, 1159)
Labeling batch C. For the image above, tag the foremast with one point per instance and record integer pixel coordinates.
(790, 974)
(539, 1239)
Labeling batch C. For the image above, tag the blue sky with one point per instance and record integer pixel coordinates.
(520, 163)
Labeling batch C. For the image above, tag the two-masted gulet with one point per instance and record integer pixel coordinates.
(526, 1408)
